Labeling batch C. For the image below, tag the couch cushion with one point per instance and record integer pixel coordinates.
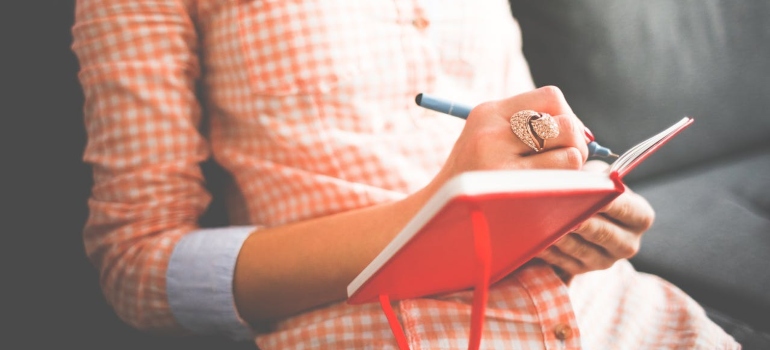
(630, 68)
(749, 337)
(711, 235)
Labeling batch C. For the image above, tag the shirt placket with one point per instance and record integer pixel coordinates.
(550, 297)
(422, 61)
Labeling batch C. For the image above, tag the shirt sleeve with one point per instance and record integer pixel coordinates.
(138, 69)
(200, 281)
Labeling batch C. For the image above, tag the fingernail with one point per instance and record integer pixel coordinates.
(589, 135)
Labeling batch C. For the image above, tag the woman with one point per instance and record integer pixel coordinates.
(309, 108)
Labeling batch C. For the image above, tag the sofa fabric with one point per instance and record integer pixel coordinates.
(631, 68)
(712, 234)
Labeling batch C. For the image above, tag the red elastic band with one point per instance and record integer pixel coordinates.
(395, 327)
(483, 247)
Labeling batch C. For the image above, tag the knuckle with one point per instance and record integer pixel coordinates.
(572, 245)
(581, 251)
(622, 209)
(602, 235)
(553, 92)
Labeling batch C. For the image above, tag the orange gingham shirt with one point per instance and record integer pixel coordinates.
(310, 107)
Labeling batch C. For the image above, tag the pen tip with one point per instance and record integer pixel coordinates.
(613, 155)
(418, 99)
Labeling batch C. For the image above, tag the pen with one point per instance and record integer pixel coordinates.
(461, 111)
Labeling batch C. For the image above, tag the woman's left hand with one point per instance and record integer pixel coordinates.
(614, 233)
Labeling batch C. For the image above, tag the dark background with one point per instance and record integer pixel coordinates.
(59, 300)
(53, 294)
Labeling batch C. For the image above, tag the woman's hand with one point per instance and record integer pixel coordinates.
(487, 142)
(612, 234)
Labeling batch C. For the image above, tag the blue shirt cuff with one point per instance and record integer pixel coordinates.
(199, 282)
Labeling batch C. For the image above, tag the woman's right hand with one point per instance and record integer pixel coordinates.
(487, 142)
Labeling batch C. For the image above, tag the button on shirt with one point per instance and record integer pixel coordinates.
(562, 331)
(309, 106)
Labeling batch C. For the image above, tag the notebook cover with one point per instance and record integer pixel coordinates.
(440, 257)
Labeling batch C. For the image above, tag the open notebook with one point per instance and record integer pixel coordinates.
(480, 226)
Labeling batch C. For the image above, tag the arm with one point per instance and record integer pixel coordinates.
(284, 270)
(138, 69)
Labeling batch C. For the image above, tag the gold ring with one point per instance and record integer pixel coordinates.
(534, 128)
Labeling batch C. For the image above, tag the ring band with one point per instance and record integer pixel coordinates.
(534, 128)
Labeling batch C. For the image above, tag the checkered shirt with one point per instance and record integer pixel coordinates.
(309, 105)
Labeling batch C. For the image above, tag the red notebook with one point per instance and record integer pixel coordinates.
(481, 226)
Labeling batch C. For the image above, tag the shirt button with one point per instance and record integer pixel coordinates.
(421, 22)
(562, 331)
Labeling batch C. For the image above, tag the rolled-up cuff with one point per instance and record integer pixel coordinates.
(200, 282)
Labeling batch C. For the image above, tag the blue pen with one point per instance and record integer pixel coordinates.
(461, 111)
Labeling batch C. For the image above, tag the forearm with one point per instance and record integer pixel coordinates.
(284, 270)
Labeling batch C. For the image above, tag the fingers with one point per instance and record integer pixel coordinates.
(554, 257)
(631, 211)
(603, 239)
(590, 256)
(616, 241)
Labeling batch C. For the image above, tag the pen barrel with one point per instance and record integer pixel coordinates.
(441, 105)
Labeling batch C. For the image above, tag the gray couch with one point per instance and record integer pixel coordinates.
(630, 68)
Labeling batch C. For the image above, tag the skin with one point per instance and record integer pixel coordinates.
(612, 234)
(285, 270)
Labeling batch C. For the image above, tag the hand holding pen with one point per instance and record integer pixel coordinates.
(531, 128)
